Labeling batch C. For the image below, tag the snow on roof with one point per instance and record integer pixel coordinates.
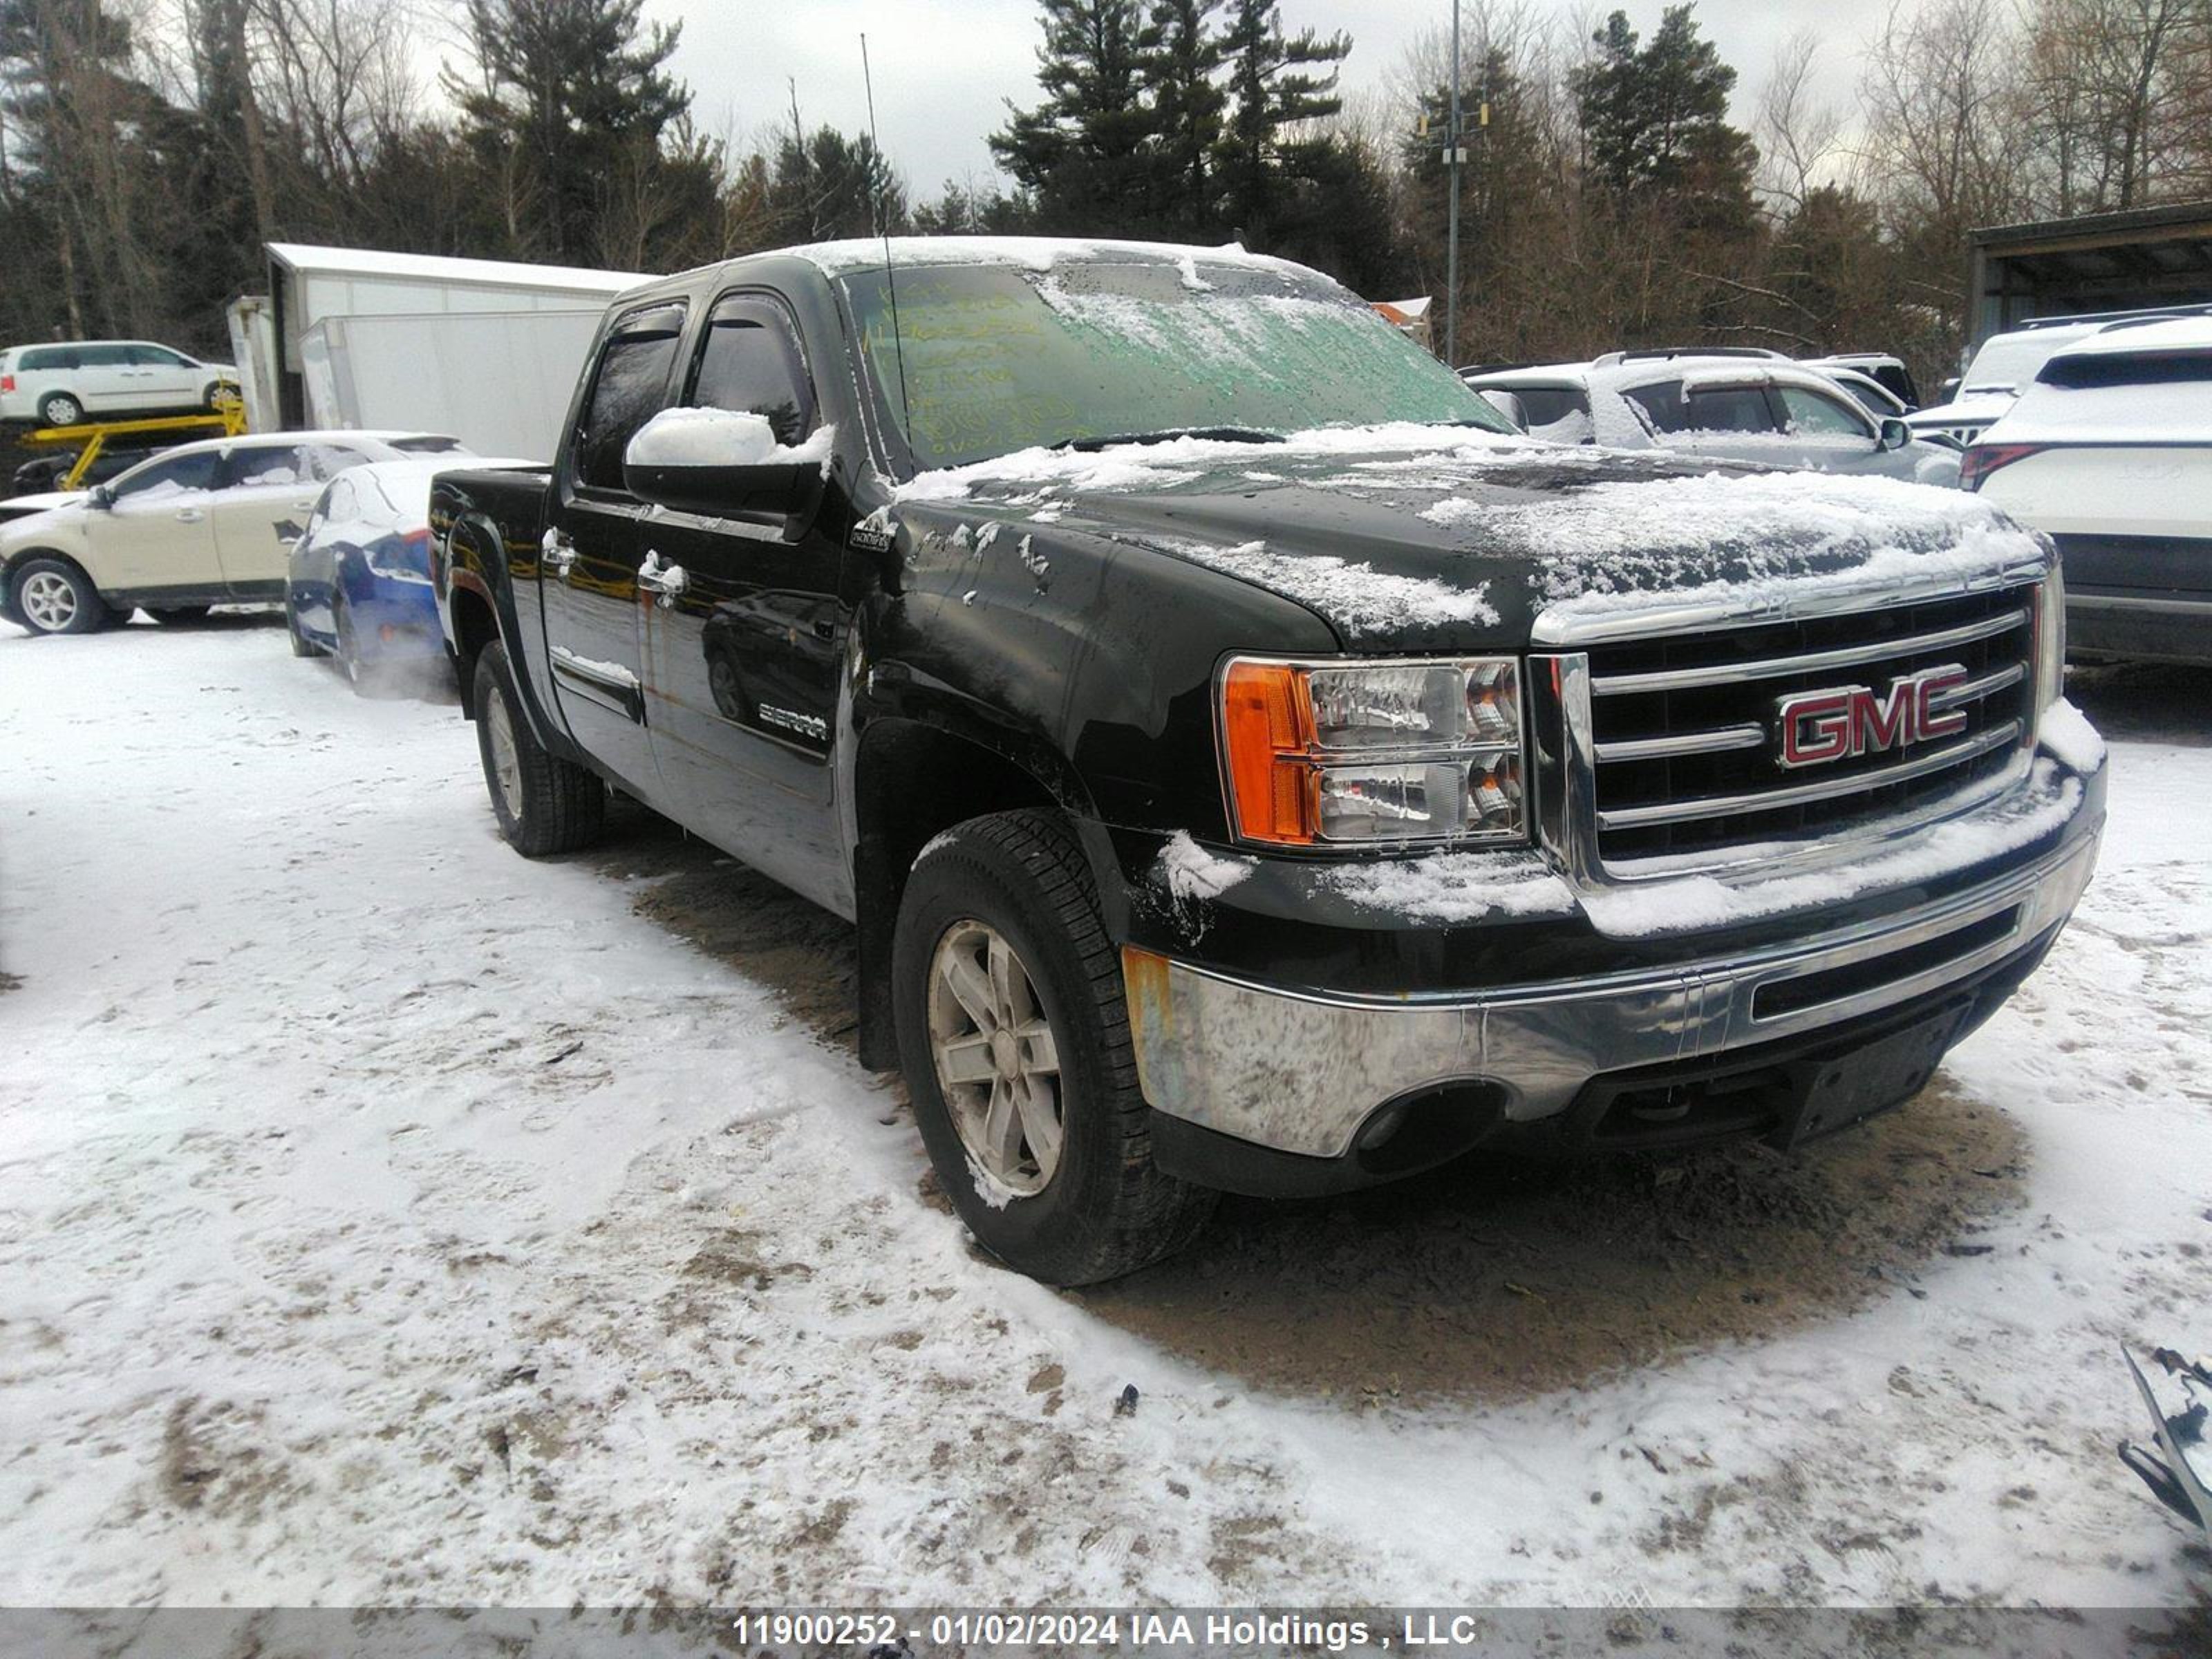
(1412, 310)
(2172, 334)
(306, 258)
(1030, 253)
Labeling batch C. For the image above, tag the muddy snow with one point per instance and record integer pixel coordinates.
(385, 1218)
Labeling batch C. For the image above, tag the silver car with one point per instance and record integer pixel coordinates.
(1751, 407)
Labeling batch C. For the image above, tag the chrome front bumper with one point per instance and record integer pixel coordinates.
(1300, 1072)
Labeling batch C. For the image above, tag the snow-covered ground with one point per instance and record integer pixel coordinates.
(385, 1218)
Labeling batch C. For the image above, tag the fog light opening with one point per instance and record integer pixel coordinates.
(1430, 1126)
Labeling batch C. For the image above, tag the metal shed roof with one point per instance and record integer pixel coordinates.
(308, 259)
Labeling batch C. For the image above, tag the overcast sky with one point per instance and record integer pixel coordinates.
(945, 68)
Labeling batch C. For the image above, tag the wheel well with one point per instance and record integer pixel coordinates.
(17, 560)
(911, 783)
(474, 628)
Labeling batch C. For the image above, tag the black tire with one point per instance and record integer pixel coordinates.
(554, 806)
(179, 616)
(40, 605)
(302, 645)
(59, 408)
(349, 652)
(211, 399)
(1106, 1209)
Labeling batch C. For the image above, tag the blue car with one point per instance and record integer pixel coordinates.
(358, 585)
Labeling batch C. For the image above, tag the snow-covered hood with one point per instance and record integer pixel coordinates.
(18, 511)
(1975, 409)
(1429, 537)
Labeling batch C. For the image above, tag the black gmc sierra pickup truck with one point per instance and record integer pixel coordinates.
(1248, 764)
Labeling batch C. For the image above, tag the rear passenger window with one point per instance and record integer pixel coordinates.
(50, 357)
(103, 356)
(750, 363)
(1729, 409)
(269, 465)
(629, 388)
(1547, 405)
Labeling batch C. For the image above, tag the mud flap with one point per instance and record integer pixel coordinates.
(2177, 1478)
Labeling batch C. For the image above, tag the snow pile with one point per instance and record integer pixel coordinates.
(2067, 733)
(1355, 597)
(1191, 872)
(1453, 888)
(1685, 904)
(723, 437)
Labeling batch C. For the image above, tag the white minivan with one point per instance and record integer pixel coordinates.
(66, 382)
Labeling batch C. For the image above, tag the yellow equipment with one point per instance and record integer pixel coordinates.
(227, 421)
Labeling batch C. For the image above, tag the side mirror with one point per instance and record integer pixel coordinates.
(102, 497)
(721, 463)
(1895, 433)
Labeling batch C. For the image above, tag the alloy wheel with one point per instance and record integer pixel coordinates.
(49, 599)
(506, 759)
(996, 1064)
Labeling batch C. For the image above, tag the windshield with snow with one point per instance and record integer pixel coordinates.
(999, 358)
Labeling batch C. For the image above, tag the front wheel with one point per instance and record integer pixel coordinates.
(59, 408)
(1014, 1039)
(302, 645)
(545, 804)
(54, 597)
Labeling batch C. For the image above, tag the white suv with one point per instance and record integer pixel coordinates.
(2109, 451)
(202, 524)
(65, 383)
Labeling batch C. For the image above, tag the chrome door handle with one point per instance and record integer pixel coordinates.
(666, 581)
(557, 553)
(190, 515)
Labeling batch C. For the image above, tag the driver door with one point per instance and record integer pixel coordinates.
(160, 531)
(742, 657)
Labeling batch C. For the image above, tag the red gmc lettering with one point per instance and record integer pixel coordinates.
(1818, 727)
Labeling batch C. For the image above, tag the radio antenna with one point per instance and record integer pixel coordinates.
(883, 230)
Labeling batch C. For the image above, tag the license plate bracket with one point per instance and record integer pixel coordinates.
(1856, 1083)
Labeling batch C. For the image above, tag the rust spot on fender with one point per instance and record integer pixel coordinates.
(1151, 1018)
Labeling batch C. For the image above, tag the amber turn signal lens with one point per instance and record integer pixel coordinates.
(1269, 726)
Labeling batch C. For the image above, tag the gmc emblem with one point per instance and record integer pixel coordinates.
(1818, 727)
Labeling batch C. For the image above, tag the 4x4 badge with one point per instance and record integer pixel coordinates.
(1834, 724)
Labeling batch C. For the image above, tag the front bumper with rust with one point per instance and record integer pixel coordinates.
(1263, 1087)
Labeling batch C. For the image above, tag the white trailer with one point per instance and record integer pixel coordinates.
(500, 381)
(488, 350)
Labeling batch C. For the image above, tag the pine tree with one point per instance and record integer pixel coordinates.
(1277, 82)
(1654, 121)
(1181, 55)
(825, 185)
(569, 91)
(1083, 154)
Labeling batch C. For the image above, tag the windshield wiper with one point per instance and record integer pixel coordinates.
(1227, 434)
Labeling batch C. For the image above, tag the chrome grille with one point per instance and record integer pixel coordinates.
(1685, 738)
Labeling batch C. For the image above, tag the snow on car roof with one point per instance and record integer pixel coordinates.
(2170, 334)
(1030, 253)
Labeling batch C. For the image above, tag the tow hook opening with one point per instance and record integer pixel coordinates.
(1429, 1126)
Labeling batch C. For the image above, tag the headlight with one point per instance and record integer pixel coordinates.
(2050, 640)
(1375, 753)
